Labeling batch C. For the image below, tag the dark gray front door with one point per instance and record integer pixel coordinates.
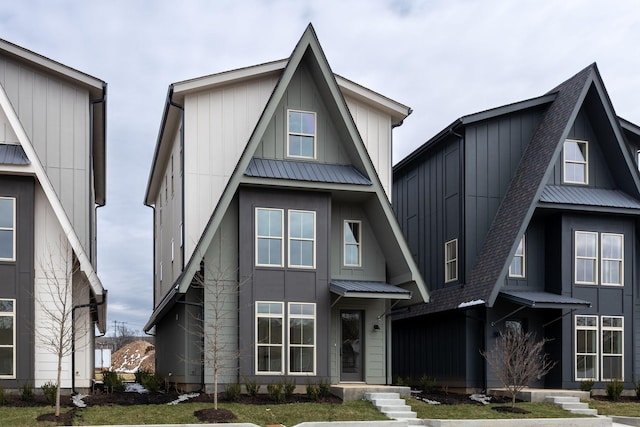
(351, 353)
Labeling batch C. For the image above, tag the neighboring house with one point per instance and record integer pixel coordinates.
(52, 178)
(525, 216)
(269, 186)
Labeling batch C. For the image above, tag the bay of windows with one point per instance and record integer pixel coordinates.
(7, 338)
(300, 338)
(599, 251)
(599, 347)
(7, 229)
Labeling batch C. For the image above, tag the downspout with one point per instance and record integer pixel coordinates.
(182, 195)
(73, 336)
(93, 215)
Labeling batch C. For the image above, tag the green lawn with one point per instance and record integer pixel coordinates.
(623, 409)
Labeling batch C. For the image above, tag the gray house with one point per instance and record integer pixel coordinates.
(525, 216)
(277, 254)
(52, 179)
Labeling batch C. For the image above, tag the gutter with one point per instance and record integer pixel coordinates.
(93, 215)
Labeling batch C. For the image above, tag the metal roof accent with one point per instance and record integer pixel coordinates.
(543, 300)
(13, 154)
(574, 195)
(367, 289)
(305, 171)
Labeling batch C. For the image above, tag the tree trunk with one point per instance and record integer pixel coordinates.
(58, 385)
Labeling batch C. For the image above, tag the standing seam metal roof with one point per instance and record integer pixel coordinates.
(305, 171)
(12, 154)
(573, 195)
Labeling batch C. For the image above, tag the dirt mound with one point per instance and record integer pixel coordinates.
(138, 355)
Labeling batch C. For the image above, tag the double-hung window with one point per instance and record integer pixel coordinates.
(575, 159)
(269, 337)
(451, 260)
(302, 338)
(612, 245)
(352, 243)
(269, 236)
(516, 269)
(586, 247)
(599, 347)
(612, 347)
(301, 134)
(586, 347)
(302, 239)
(7, 229)
(7, 338)
(599, 258)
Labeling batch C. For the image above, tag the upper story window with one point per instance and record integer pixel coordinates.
(604, 251)
(352, 243)
(516, 269)
(575, 159)
(7, 229)
(269, 236)
(302, 239)
(301, 141)
(7, 338)
(451, 260)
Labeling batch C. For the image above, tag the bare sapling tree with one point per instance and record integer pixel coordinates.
(517, 360)
(55, 328)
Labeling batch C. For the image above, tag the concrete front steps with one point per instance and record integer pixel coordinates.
(572, 404)
(393, 407)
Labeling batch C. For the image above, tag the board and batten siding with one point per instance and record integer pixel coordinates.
(56, 117)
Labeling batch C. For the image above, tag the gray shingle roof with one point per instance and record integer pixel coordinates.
(11, 154)
(305, 171)
(367, 289)
(573, 195)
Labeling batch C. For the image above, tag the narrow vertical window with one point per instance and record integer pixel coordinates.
(451, 260)
(7, 339)
(302, 338)
(302, 239)
(7, 229)
(575, 160)
(352, 243)
(269, 235)
(301, 134)
(612, 348)
(586, 348)
(269, 337)
(516, 269)
(586, 258)
(172, 179)
(612, 255)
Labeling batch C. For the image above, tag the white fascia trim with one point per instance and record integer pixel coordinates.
(47, 187)
(397, 110)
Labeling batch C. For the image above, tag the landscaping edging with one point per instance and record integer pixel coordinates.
(523, 422)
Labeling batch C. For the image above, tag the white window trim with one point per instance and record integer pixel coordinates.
(345, 243)
(12, 229)
(289, 345)
(314, 135)
(585, 163)
(575, 348)
(302, 239)
(281, 238)
(603, 259)
(576, 257)
(602, 355)
(15, 326)
(523, 256)
(447, 261)
(283, 356)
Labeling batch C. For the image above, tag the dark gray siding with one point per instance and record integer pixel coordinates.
(16, 278)
(283, 284)
(534, 251)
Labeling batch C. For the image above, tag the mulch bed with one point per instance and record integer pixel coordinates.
(456, 398)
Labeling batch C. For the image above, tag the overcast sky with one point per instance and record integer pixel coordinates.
(444, 59)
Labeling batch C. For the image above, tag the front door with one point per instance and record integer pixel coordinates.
(351, 354)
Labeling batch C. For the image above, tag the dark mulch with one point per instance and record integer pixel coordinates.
(511, 409)
(65, 419)
(212, 416)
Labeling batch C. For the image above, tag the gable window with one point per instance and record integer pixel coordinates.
(302, 338)
(586, 347)
(269, 337)
(301, 127)
(451, 260)
(612, 259)
(269, 236)
(575, 162)
(352, 242)
(586, 247)
(302, 239)
(516, 269)
(7, 229)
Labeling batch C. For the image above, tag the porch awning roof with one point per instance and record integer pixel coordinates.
(544, 300)
(367, 289)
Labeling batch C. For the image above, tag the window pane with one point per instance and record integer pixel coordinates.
(295, 122)
(6, 361)
(6, 213)
(6, 306)
(301, 253)
(301, 359)
(308, 123)
(586, 321)
(611, 367)
(352, 232)
(6, 330)
(611, 272)
(586, 244)
(586, 366)
(612, 246)
(6, 244)
(351, 256)
(269, 359)
(615, 322)
(585, 270)
(269, 223)
(516, 267)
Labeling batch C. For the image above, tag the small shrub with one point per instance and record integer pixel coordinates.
(253, 388)
(324, 388)
(232, 392)
(26, 393)
(49, 390)
(3, 396)
(427, 384)
(149, 380)
(313, 391)
(638, 389)
(586, 385)
(275, 392)
(614, 389)
(113, 382)
(288, 387)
